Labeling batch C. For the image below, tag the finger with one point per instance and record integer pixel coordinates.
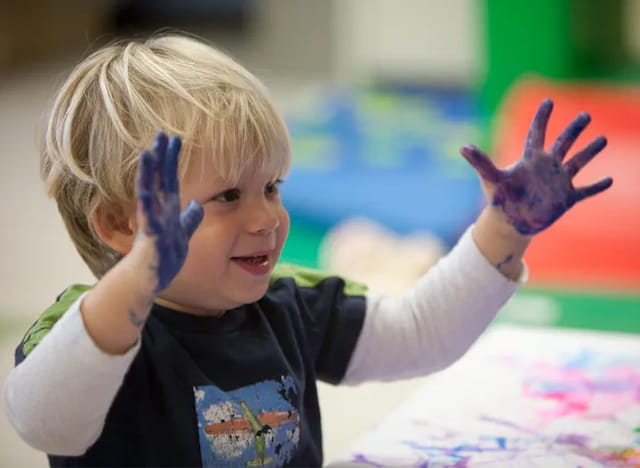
(146, 170)
(149, 202)
(481, 163)
(147, 195)
(160, 144)
(569, 135)
(538, 128)
(160, 150)
(583, 157)
(171, 165)
(594, 189)
(191, 217)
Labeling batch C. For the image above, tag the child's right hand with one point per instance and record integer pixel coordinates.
(159, 215)
(117, 307)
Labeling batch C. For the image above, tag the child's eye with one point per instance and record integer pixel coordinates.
(271, 188)
(227, 196)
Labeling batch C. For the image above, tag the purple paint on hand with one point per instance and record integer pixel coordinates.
(158, 193)
(537, 190)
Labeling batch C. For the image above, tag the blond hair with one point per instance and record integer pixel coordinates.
(116, 100)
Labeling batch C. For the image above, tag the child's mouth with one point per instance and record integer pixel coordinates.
(254, 264)
(256, 259)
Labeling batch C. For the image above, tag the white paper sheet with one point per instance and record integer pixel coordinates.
(521, 397)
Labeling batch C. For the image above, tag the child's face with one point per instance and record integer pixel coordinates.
(233, 251)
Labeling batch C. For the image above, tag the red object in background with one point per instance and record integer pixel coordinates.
(596, 245)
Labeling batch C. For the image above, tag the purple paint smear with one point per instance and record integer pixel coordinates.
(360, 458)
(537, 190)
(587, 385)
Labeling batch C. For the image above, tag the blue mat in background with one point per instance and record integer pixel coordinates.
(391, 155)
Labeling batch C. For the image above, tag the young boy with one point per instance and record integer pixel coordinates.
(193, 348)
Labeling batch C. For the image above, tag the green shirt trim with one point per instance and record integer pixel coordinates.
(309, 278)
(51, 315)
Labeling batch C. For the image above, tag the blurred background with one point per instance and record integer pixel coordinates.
(379, 95)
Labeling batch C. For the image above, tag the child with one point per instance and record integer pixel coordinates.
(194, 348)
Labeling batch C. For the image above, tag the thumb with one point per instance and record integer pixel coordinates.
(191, 217)
(481, 163)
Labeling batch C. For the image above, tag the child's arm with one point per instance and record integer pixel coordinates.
(430, 327)
(115, 310)
(57, 399)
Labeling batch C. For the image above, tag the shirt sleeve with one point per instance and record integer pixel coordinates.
(333, 330)
(331, 310)
(58, 397)
(436, 322)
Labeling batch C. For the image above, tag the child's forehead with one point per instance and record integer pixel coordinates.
(200, 166)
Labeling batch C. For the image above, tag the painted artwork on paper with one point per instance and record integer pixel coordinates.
(523, 398)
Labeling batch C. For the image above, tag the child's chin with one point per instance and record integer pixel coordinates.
(255, 295)
(249, 295)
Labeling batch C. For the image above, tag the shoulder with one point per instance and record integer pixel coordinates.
(49, 318)
(318, 298)
(286, 274)
(327, 312)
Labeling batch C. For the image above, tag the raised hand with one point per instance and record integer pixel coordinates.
(159, 202)
(538, 189)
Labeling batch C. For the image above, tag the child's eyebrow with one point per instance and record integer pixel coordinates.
(213, 191)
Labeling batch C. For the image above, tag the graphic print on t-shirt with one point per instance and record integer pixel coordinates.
(257, 425)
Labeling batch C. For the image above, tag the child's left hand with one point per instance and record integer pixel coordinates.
(534, 192)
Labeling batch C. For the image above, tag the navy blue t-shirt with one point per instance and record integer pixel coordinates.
(238, 390)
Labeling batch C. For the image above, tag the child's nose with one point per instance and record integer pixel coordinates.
(263, 218)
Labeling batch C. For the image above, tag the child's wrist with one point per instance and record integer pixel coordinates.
(501, 244)
(494, 220)
(141, 262)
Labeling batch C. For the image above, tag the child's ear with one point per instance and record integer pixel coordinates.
(116, 227)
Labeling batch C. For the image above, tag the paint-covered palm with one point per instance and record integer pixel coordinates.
(159, 200)
(538, 189)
